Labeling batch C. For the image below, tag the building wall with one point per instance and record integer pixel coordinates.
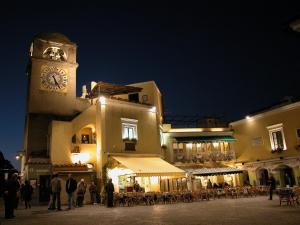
(253, 145)
(61, 142)
(61, 138)
(153, 94)
(248, 130)
(147, 127)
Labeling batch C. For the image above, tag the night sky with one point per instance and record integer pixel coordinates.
(216, 58)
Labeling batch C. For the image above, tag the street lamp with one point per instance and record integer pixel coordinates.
(19, 155)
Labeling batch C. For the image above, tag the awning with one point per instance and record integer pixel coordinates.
(149, 166)
(200, 139)
(205, 171)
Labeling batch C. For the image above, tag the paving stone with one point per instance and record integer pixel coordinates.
(242, 211)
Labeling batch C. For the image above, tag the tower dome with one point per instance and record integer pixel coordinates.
(54, 37)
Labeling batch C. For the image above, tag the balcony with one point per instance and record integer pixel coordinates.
(202, 152)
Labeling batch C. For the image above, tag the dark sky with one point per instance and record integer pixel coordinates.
(209, 59)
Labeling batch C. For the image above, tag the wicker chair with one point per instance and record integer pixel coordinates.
(286, 195)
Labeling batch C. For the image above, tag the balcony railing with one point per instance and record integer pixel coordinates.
(205, 157)
(203, 154)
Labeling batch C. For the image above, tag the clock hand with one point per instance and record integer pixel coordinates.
(55, 81)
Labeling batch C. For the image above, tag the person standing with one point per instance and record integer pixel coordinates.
(93, 192)
(71, 186)
(109, 189)
(136, 186)
(81, 189)
(288, 180)
(11, 187)
(272, 186)
(209, 184)
(56, 189)
(27, 191)
(18, 195)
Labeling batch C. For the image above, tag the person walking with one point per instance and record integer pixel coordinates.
(93, 192)
(56, 189)
(272, 186)
(10, 189)
(109, 189)
(81, 189)
(27, 191)
(71, 186)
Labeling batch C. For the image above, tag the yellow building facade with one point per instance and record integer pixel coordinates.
(204, 153)
(95, 136)
(269, 143)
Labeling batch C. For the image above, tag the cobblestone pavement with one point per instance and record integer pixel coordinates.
(250, 211)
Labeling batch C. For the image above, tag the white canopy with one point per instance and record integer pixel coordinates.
(149, 166)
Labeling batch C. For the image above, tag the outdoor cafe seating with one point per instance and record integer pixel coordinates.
(151, 198)
(290, 196)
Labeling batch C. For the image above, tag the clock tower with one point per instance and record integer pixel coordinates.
(52, 75)
(51, 96)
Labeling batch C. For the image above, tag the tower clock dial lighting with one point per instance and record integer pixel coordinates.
(54, 79)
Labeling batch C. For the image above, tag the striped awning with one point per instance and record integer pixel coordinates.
(205, 171)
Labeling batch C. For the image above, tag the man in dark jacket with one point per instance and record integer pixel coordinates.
(109, 189)
(71, 186)
(11, 187)
(272, 185)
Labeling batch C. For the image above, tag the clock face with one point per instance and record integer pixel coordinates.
(54, 79)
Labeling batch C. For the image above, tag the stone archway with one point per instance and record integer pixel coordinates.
(286, 175)
(262, 176)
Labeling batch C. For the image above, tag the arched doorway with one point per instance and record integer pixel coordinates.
(263, 176)
(246, 180)
(286, 175)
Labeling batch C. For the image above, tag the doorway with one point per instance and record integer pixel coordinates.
(44, 188)
(286, 176)
(263, 176)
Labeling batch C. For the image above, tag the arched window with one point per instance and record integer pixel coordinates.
(55, 53)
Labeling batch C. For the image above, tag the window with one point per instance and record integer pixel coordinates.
(129, 129)
(55, 53)
(298, 132)
(133, 97)
(277, 137)
(85, 139)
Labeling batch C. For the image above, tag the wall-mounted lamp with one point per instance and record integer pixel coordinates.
(19, 155)
(153, 109)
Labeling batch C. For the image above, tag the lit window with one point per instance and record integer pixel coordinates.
(277, 137)
(129, 129)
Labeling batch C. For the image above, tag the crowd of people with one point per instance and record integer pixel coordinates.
(14, 191)
(75, 192)
(209, 185)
